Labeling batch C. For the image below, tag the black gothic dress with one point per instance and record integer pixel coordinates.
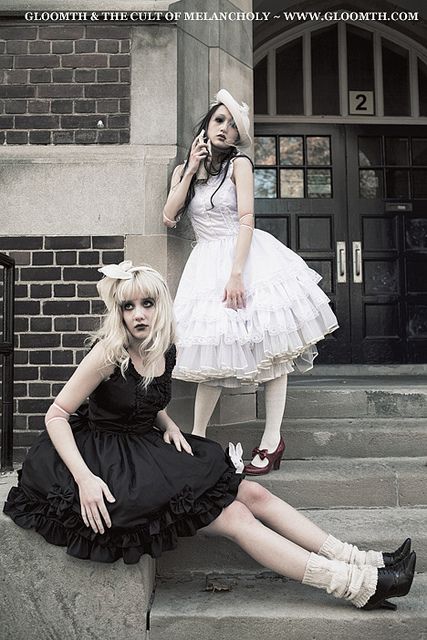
(160, 493)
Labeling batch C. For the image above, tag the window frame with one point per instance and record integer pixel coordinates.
(416, 51)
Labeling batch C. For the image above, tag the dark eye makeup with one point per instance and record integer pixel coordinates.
(221, 119)
(128, 305)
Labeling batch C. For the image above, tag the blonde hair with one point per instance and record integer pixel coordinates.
(115, 337)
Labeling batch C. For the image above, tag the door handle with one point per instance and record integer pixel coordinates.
(341, 262)
(357, 262)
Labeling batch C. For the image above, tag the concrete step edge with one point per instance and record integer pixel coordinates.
(368, 384)
(278, 608)
(329, 439)
(364, 370)
(370, 422)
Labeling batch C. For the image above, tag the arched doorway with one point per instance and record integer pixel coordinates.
(341, 177)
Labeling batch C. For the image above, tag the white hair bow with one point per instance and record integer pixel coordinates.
(121, 271)
(235, 453)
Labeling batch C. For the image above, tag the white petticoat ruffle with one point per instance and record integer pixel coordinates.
(286, 314)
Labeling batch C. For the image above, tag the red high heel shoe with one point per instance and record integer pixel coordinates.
(274, 460)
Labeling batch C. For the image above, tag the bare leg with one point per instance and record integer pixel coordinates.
(268, 548)
(206, 399)
(292, 524)
(275, 400)
(280, 516)
(237, 523)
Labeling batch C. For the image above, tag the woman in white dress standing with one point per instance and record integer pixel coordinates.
(248, 309)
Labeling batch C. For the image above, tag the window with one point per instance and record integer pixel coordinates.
(360, 59)
(293, 167)
(260, 87)
(395, 79)
(289, 79)
(314, 73)
(324, 71)
(392, 167)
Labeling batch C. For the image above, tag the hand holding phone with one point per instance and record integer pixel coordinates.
(199, 151)
(203, 139)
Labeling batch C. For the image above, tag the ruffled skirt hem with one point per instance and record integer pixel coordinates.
(60, 525)
(285, 315)
(269, 368)
(231, 364)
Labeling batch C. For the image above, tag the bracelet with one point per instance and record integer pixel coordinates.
(244, 224)
(56, 418)
(174, 222)
(60, 408)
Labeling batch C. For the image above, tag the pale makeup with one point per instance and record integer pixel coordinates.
(222, 130)
(138, 314)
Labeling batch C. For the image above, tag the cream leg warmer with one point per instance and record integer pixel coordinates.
(206, 399)
(348, 581)
(334, 549)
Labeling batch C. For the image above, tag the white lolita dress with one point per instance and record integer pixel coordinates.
(286, 312)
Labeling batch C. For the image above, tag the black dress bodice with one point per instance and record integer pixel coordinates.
(160, 493)
(121, 404)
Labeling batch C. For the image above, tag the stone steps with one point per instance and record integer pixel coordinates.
(354, 483)
(371, 370)
(355, 397)
(319, 397)
(340, 437)
(353, 465)
(267, 606)
(376, 528)
(371, 437)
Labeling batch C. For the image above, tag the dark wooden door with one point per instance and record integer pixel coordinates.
(301, 199)
(387, 209)
(352, 201)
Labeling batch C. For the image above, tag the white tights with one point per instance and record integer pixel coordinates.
(275, 399)
(206, 399)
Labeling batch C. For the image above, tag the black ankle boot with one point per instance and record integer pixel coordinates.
(399, 554)
(393, 582)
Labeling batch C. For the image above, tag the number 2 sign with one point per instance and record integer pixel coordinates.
(361, 103)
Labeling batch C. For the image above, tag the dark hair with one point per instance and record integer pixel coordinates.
(225, 160)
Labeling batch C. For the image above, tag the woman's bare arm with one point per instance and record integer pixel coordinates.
(177, 194)
(88, 375)
(179, 188)
(234, 294)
